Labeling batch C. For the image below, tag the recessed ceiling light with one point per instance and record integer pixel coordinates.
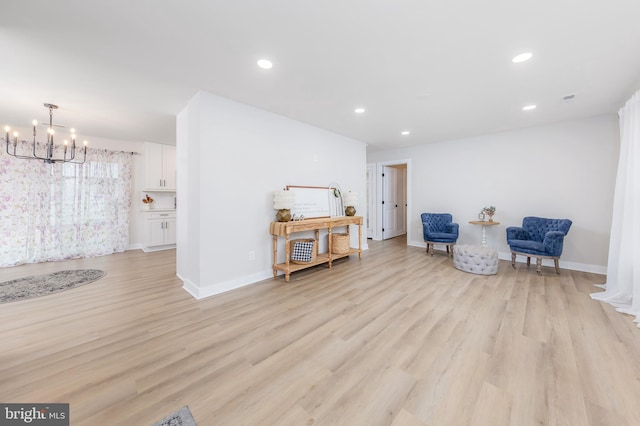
(522, 57)
(265, 64)
(405, 133)
(528, 107)
(359, 110)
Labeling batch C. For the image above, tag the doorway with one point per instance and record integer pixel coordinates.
(389, 199)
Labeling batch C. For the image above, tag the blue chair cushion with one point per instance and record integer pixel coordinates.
(441, 237)
(527, 246)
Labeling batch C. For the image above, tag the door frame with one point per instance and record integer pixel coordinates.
(371, 199)
(377, 230)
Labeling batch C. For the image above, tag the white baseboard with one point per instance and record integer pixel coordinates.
(573, 266)
(189, 287)
(202, 291)
(158, 248)
(135, 246)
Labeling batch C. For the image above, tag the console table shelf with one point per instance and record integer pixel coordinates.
(286, 229)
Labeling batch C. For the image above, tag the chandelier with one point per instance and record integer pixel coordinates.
(69, 154)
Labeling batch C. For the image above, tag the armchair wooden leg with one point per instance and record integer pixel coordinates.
(555, 262)
(430, 248)
(513, 260)
(528, 262)
(539, 265)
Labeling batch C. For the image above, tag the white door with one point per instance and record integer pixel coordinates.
(389, 203)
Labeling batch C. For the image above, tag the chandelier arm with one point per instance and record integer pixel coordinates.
(37, 156)
(72, 153)
(34, 149)
(84, 158)
(21, 157)
(78, 162)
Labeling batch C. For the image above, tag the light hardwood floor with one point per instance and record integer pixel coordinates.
(397, 338)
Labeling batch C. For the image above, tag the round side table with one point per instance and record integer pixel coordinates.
(484, 224)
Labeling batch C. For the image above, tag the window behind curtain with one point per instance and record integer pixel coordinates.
(60, 211)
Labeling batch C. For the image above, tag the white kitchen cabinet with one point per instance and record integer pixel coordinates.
(160, 230)
(160, 167)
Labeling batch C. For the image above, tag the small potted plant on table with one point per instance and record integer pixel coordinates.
(147, 202)
(489, 211)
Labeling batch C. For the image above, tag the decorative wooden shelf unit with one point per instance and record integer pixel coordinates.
(285, 229)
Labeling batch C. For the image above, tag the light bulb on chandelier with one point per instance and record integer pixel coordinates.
(49, 146)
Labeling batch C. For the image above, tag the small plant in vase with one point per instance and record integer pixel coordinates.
(489, 211)
(147, 202)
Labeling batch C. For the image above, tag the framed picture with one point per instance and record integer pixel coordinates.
(316, 201)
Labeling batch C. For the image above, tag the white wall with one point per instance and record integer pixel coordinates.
(565, 170)
(239, 155)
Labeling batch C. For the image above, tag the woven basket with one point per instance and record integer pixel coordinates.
(340, 243)
(314, 252)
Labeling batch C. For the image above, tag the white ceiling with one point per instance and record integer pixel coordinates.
(122, 69)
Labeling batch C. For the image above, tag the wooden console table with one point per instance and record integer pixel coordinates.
(285, 229)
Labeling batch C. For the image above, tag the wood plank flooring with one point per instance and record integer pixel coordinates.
(397, 338)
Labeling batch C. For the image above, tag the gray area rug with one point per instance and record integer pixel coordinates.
(41, 285)
(182, 417)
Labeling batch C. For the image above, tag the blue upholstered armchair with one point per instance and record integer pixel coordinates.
(538, 237)
(438, 228)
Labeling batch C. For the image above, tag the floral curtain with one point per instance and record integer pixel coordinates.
(60, 211)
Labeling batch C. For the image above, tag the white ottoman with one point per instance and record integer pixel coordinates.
(475, 259)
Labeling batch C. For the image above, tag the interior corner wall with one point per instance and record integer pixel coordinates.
(188, 192)
(565, 170)
(238, 155)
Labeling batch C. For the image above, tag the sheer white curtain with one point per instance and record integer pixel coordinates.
(622, 288)
(60, 211)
